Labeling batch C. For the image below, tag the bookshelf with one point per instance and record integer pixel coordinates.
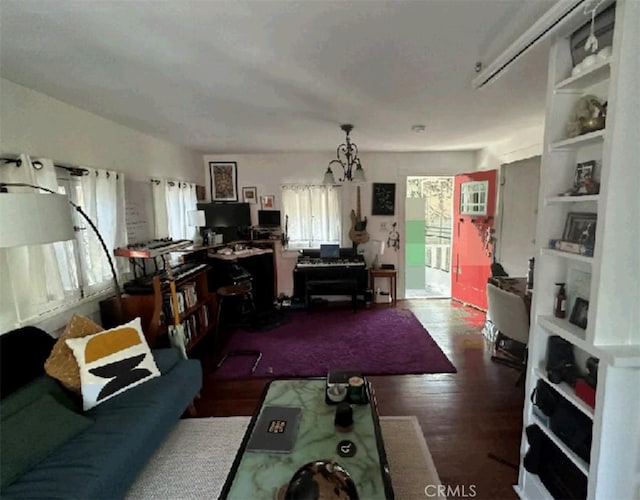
(196, 311)
(608, 279)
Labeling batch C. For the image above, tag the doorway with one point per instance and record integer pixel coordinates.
(474, 208)
(428, 226)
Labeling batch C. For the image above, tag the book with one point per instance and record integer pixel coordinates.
(276, 430)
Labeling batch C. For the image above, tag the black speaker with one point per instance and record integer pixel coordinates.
(561, 364)
(558, 473)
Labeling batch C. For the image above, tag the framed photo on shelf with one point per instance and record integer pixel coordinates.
(267, 202)
(224, 180)
(250, 194)
(579, 313)
(580, 228)
(584, 179)
(383, 199)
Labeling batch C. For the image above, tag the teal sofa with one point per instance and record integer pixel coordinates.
(52, 449)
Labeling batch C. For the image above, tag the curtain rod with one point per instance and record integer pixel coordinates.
(79, 171)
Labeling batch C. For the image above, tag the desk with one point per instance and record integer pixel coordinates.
(260, 265)
(391, 275)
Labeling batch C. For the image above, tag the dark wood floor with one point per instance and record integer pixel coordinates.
(465, 416)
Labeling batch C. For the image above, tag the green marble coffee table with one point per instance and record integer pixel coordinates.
(259, 475)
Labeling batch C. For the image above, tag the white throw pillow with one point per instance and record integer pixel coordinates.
(112, 362)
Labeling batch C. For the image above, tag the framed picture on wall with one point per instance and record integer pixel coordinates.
(267, 202)
(383, 199)
(250, 194)
(224, 180)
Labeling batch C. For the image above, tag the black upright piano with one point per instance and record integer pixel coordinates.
(312, 267)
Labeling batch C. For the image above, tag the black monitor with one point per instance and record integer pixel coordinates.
(269, 218)
(330, 251)
(219, 215)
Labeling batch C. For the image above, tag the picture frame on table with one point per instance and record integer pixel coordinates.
(224, 180)
(383, 199)
(267, 202)
(579, 313)
(580, 228)
(250, 194)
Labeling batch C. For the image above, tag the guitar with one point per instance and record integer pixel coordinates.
(358, 233)
(176, 333)
(285, 234)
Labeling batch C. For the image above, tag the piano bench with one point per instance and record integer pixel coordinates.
(332, 287)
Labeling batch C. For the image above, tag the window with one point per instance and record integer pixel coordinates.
(40, 279)
(314, 215)
(171, 202)
(473, 198)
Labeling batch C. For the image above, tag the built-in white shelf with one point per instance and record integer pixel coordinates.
(595, 74)
(533, 489)
(612, 302)
(552, 200)
(579, 141)
(566, 391)
(568, 331)
(580, 464)
(620, 356)
(567, 255)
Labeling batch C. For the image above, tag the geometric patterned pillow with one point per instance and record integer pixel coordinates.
(112, 361)
(61, 363)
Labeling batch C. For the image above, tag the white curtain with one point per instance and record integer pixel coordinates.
(65, 251)
(31, 278)
(314, 212)
(161, 218)
(102, 199)
(172, 200)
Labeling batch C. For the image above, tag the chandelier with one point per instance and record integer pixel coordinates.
(347, 154)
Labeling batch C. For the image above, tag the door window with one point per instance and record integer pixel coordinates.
(473, 198)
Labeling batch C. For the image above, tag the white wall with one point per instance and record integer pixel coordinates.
(519, 183)
(269, 171)
(38, 125)
(519, 145)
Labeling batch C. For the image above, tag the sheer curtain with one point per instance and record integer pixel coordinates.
(314, 212)
(172, 200)
(31, 278)
(101, 197)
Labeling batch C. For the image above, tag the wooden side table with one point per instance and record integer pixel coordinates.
(390, 274)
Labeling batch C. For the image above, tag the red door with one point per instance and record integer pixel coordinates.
(474, 204)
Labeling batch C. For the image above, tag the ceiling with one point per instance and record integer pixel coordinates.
(259, 76)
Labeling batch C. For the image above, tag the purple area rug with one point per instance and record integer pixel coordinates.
(375, 342)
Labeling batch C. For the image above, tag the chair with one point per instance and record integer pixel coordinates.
(509, 314)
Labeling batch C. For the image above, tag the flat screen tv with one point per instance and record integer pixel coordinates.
(269, 218)
(226, 214)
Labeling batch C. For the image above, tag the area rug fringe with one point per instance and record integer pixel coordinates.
(196, 457)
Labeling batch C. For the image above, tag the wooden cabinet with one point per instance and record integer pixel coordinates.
(197, 310)
(608, 274)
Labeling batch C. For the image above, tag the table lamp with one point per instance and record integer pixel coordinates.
(378, 248)
(196, 219)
